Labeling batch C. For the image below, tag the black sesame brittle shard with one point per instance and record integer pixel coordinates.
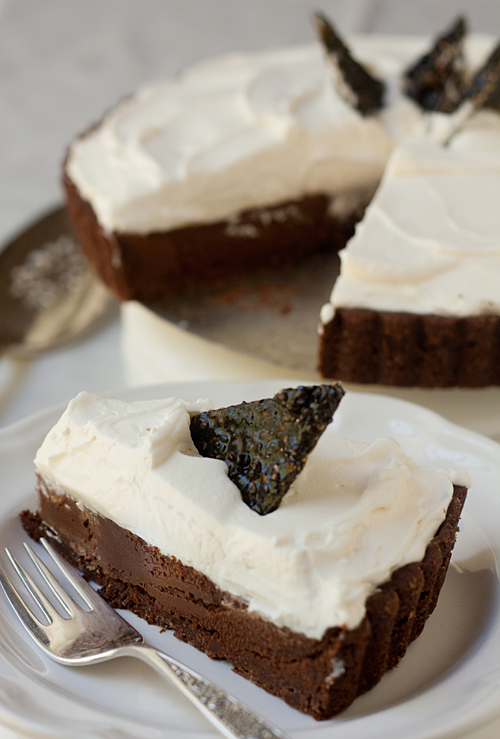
(437, 80)
(265, 443)
(484, 91)
(354, 82)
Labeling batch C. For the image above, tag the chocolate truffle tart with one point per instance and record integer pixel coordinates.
(258, 161)
(269, 593)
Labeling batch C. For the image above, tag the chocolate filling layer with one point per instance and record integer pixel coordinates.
(148, 266)
(319, 677)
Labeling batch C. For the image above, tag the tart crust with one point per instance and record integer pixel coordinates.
(410, 350)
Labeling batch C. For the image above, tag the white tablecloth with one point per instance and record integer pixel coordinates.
(63, 62)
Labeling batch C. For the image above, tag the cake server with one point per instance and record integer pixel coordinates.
(83, 637)
(49, 296)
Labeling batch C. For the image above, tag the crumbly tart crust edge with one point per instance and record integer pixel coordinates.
(410, 350)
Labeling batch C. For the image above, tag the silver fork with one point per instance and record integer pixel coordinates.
(83, 637)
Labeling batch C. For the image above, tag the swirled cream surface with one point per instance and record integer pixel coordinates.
(239, 132)
(355, 513)
(429, 242)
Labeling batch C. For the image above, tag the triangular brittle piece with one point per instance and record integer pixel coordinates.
(485, 89)
(265, 443)
(483, 92)
(354, 82)
(437, 80)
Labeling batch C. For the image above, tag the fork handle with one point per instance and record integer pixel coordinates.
(230, 716)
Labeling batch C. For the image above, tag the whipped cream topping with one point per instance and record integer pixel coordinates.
(429, 242)
(237, 133)
(355, 513)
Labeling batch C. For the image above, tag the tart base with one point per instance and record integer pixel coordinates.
(410, 350)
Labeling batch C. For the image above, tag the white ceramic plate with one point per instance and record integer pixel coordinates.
(448, 683)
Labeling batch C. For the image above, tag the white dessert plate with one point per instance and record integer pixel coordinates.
(447, 684)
